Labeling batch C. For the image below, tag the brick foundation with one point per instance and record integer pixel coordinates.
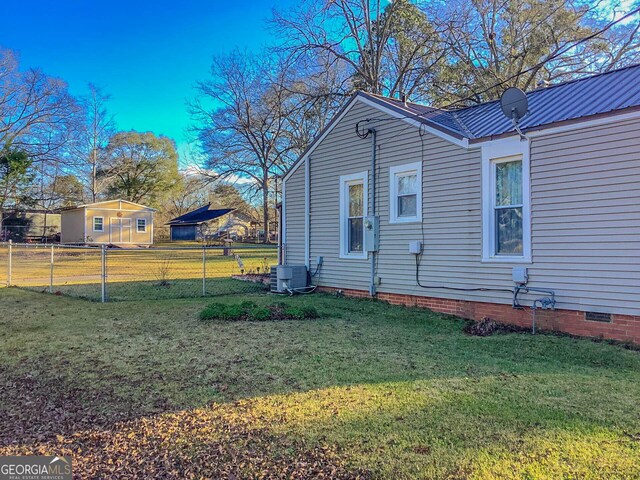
(624, 328)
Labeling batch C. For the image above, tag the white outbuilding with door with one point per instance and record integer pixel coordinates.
(118, 222)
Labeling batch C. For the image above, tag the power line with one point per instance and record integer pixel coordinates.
(560, 52)
(420, 116)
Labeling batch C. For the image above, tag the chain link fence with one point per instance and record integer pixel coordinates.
(118, 274)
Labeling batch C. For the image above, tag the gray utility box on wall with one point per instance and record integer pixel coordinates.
(288, 278)
(372, 233)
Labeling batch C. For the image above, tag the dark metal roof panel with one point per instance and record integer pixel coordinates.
(202, 214)
(597, 94)
(584, 97)
(427, 114)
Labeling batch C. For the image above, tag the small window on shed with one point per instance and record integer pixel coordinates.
(141, 225)
(98, 224)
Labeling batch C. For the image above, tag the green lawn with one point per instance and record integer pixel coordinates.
(144, 388)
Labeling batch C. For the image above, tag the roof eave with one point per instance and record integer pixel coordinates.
(414, 116)
(544, 128)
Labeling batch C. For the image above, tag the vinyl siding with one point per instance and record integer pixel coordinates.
(585, 207)
(294, 213)
(585, 188)
(110, 216)
(72, 226)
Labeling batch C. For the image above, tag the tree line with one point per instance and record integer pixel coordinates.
(259, 110)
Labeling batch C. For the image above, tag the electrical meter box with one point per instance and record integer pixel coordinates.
(415, 247)
(520, 275)
(372, 233)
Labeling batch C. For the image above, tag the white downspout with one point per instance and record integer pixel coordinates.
(283, 219)
(307, 209)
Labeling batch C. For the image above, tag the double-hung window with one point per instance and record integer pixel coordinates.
(353, 210)
(405, 189)
(98, 224)
(506, 225)
(141, 225)
(508, 207)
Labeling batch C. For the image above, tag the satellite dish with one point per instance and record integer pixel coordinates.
(514, 104)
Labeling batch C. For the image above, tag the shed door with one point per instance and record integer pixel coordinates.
(120, 230)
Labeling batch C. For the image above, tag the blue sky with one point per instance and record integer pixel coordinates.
(146, 54)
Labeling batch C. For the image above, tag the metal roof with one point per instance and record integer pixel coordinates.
(200, 215)
(576, 99)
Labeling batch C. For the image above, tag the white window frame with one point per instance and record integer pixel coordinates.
(394, 172)
(144, 230)
(495, 152)
(345, 182)
(93, 224)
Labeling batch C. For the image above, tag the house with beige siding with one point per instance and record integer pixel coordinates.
(456, 211)
(117, 222)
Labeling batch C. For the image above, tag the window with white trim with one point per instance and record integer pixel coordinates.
(507, 206)
(506, 201)
(405, 189)
(141, 225)
(353, 210)
(98, 224)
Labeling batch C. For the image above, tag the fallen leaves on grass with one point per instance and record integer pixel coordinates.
(487, 326)
(223, 441)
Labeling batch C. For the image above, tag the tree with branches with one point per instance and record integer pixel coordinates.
(495, 44)
(139, 167)
(242, 121)
(93, 136)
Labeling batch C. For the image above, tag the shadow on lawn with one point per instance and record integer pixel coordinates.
(118, 291)
(221, 441)
(372, 390)
(392, 430)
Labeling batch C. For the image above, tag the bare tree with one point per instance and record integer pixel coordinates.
(494, 44)
(92, 139)
(389, 49)
(241, 120)
(38, 118)
(37, 114)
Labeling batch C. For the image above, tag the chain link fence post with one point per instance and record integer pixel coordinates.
(51, 271)
(204, 271)
(103, 274)
(9, 264)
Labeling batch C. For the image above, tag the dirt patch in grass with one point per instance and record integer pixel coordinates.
(487, 326)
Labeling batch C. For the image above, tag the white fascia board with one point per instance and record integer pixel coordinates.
(461, 142)
(584, 124)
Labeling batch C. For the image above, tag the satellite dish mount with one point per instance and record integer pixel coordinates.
(515, 106)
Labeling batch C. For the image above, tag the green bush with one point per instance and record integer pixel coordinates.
(301, 312)
(260, 313)
(252, 312)
(212, 311)
(222, 311)
(310, 312)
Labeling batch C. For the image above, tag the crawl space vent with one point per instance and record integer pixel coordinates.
(598, 317)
